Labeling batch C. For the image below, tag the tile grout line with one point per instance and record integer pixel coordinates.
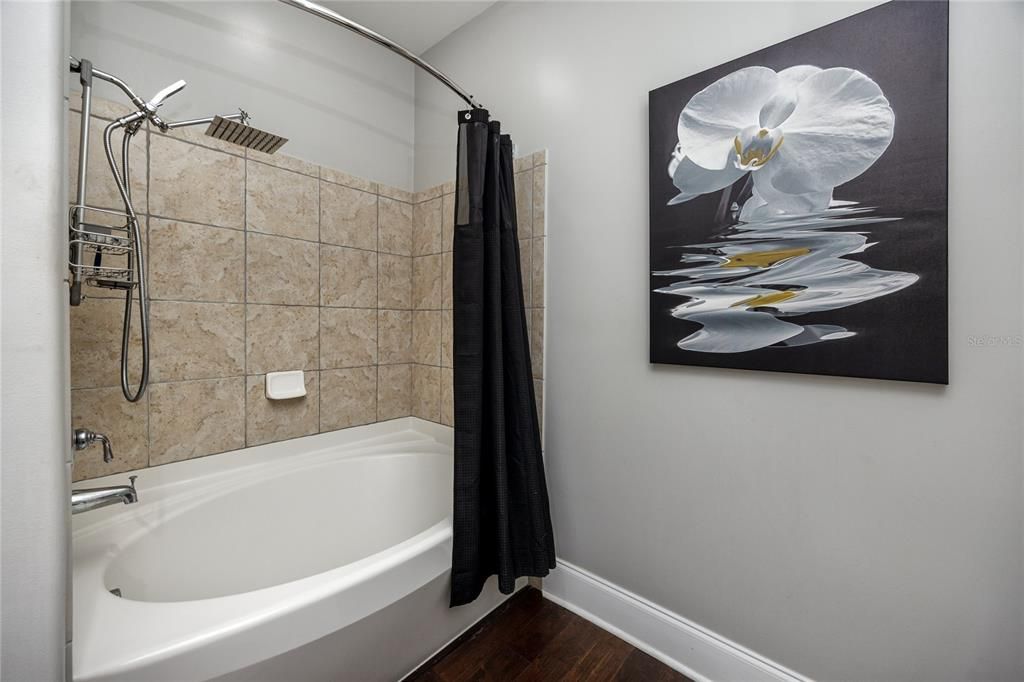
(245, 296)
(172, 219)
(221, 377)
(105, 387)
(410, 353)
(319, 306)
(376, 317)
(440, 332)
(275, 166)
(149, 402)
(266, 305)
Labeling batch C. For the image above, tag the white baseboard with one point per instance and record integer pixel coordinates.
(677, 642)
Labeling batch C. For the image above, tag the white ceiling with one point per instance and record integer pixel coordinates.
(417, 26)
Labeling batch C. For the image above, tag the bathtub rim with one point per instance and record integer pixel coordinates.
(164, 480)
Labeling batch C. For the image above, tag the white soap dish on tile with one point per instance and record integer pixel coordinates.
(285, 385)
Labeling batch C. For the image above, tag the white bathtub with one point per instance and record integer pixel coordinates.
(321, 558)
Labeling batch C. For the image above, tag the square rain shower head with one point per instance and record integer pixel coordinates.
(244, 135)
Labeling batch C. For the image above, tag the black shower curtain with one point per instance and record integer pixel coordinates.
(501, 522)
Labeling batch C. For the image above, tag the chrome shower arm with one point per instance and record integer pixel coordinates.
(104, 76)
(76, 67)
(240, 116)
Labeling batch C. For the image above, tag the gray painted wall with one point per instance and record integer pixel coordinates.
(35, 442)
(341, 100)
(849, 529)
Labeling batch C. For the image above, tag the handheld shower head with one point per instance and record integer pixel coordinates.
(158, 98)
(244, 135)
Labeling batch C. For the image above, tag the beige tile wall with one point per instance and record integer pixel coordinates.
(264, 263)
(433, 221)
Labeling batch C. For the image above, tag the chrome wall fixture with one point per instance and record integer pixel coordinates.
(84, 499)
(335, 18)
(93, 498)
(83, 438)
(105, 246)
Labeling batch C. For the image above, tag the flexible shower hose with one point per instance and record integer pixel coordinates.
(135, 259)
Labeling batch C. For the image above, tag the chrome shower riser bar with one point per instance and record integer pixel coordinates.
(335, 18)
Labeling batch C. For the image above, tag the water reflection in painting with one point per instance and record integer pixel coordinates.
(742, 286)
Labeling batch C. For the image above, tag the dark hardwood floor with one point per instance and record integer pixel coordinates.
(530, 638)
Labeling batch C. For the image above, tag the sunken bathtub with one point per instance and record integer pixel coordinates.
(320, 558)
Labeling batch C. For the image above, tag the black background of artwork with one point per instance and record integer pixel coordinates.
(902, 46)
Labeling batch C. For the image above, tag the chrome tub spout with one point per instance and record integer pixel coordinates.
(94, 498)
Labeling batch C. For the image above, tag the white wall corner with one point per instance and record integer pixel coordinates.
(33, 353)
(677, 642)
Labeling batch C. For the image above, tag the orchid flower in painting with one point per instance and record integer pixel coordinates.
(799, 132)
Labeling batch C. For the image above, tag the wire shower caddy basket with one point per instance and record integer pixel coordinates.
(101, 254)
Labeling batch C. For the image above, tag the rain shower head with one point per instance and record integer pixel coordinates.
(244, 135)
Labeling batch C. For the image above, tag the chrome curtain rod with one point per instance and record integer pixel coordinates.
(335, 18)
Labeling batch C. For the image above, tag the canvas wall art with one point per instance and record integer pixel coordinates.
(798, 204)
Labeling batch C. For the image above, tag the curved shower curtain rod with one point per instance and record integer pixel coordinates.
(335, 18)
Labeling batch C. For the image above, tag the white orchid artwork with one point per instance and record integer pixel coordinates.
(795, 135)
(799, 203)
